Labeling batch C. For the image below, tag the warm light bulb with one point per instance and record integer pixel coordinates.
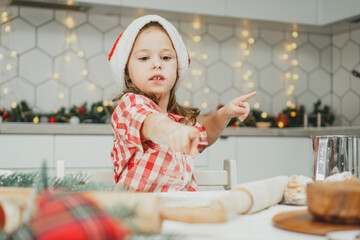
(293, 106)
(206, 90)
(246, 52)
(293, 114)
(188, 85)
(196, 25)
(238, 64)
(61, 95)
(281, 124)
(80, 54)
(68, 40)
(293, 45)
(245, 33)
(246, 76)
(295, 76)
(7, 28)
(36, 119)
(92, 87)
(294, 62)
(14, 105)
(251, 85)
(196, 72)
(287, 75)
(56, 76)
(100, 109)
(67, 58)
(73, 37)
(285, 56)
(251, 40)
(257, 105)
(292, 87)
(4, 19)
(204, 57)
(295, 34)
(192, 54)
(288, 47)
(186, 103)
(193, 72)
(289, 92)
(69, 22)
(264, 115)
(288, 103)
(6, 91)
(85, 72)
(249, 72)
(204, 105)
(69, 2)
(8, 67)
(105, 103)
(4, 14)
(197, 38)
(243, 45)
(55, 111)
(13, 53)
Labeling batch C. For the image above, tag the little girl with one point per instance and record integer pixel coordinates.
(156, 139)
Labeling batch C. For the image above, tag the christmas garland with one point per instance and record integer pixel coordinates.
(100, 112)
(289, 117)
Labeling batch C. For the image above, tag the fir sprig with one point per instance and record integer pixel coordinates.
(19, 179)
(40, 180)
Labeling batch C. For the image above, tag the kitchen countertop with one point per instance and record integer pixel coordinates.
(105, 129)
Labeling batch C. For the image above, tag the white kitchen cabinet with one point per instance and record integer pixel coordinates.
(26, 152)
(257, 157)
(84, 152)
(264, 157)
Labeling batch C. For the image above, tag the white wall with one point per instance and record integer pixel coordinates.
(38, 37)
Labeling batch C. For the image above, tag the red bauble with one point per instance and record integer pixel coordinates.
(52, 120)
(5, 115)
(282, 118)
(81, 110)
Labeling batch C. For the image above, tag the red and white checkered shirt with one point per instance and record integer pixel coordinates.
(147, 166)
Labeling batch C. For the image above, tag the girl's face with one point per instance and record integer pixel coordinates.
(152, 64)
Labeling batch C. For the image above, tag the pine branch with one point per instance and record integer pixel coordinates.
(18, 179)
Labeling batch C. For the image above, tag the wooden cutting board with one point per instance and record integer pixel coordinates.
(303, 222)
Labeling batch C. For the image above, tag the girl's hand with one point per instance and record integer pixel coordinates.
(184, 139)
(239, 107)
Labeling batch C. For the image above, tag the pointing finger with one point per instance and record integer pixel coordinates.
(247, 96)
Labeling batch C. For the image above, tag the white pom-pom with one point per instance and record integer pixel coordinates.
(74, 120)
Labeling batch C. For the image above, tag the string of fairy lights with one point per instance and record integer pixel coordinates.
(70, 39)
(245, 44)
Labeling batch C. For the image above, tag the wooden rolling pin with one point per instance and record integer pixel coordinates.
(148, 216)
(150, 210)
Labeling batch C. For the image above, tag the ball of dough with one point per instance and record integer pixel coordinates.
(295, 191)
(339, 177)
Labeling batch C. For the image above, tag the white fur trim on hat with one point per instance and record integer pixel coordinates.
(120, 53)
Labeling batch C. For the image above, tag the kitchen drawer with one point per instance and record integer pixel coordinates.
(26, 151)
(84, 151)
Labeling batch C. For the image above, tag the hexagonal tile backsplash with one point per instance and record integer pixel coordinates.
(51, 64)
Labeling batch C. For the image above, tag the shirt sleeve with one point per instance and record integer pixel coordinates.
(203, 139)
(129, 116)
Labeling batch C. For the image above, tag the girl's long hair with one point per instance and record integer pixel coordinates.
(189, 113)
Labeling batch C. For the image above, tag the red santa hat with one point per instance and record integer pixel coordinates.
(120, 53)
